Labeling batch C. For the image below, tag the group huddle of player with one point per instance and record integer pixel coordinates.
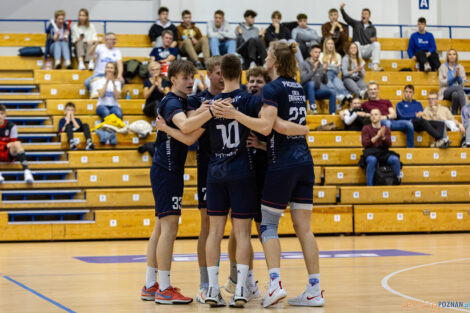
(253, 160)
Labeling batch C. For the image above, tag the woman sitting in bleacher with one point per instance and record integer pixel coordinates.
(155, 88)
(353, 69)
(83, 38)
(58, 42)
(452, 81)
(109, 90)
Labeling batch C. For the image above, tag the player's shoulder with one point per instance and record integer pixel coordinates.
(10, 124)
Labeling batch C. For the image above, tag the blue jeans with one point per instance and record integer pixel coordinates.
(60, 49)
(219, 47)
(335, 83)
(404, 126)
(321, 93)
(89, 79)
(104, 110)
(371, 162)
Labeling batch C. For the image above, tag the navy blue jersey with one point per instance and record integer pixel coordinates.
(289, 98)
(169, 152)
(204, 146)
(230, 159)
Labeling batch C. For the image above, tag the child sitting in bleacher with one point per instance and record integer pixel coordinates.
(70, 124)
(355, 117)
(10, 147)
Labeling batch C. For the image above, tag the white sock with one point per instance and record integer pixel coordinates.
(204, 277)
(242, 274)
(233, 271)
(251, 278)
(150, 277)
(274, 275)
(164, 277)
(213, 272)
(313, 282)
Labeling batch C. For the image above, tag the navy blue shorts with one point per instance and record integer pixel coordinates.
(202, 186)
(167, 188)
(238, 195)
(292, 185)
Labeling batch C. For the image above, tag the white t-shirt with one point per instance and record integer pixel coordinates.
(105, 55)
(108, 98)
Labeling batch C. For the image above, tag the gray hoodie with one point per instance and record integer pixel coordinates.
(248, 32)
(224, 32)
(307, 74)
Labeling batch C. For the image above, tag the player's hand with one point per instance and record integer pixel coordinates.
(160, 123)
(224, 108)
(254, 142)
(204, 107)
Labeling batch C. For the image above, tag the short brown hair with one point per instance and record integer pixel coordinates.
(58, 13)
(70, 104)
(409, 86)
(332, 11)
(167, 31)
(433, 92)
(284, 53)
(373, 82)
(231, 67)
(162, 9)
(185, 12)
(366, 9)
(219, 12)
(276, 14)
(181, 66)
(250, 13)
(212, 62)
(301, 16)
(3, 108)
(258, 71)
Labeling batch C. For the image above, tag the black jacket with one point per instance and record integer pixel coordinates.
(156, 31)
(360, 33)
(270, 35)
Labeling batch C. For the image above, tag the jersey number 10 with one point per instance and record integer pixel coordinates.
(227, 138)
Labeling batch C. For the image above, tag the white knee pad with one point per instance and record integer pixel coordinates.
(300, 206)
(269, 223)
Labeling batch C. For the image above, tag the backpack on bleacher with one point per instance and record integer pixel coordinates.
(131, 69)
(30, 52)
(385, 176)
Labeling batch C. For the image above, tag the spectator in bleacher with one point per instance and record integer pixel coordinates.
(452, 79)
(412, 110)
(466, 124)
(314, 79)
(422, 48)
(70, 124)
(336, 30)
(155, 88)
(58, 41)
(365, 36)
(191, 42)
(332, 61)
(104, 54)
(10, 148)
(280, 31)
(388, 113)
(221, 35)
(165, 53)
(304, 35)
(352, 68)
(109, 91)
(250, 44)
(83, 38)
(376, 140)
(437, 112)
(355, 117)
(163, 23)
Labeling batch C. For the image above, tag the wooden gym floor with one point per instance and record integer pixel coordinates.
(359, 274)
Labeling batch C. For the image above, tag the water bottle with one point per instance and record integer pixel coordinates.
(128, 95)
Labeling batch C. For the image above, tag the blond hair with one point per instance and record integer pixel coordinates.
(284, 54)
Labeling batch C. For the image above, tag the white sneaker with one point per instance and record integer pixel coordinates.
(377, 68)
(252, 64)
(255, 293)
(274, 294)
(28, 177)
(240, 298)
(308, 299)
(1, 178)
(230, 286)
(201, 295)
(81, 66)
(427, 67)
(214, 298)
(91, 66)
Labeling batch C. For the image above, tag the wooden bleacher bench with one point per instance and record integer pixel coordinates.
(93, 120)
(88, 106)
(128, 141)
(76, 91)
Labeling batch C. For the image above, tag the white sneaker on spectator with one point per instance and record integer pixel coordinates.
(252, 64)
(1, 178)
(377, 68)
(81, 66)
(427, 67)
(28, 176)
(91, 66)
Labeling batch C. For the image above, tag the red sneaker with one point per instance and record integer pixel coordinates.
(171, 295)
(148, 294)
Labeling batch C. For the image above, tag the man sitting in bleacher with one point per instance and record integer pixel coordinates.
(191, 42)
(336, 30)
(250, 44)
(10, 147)
(104, 54)
(221, 35)
(365, 36)
(388, 113)
(304, 35)
(70, 124)
(422, 48)
(165, 53)
(163, 23)
(411, 110)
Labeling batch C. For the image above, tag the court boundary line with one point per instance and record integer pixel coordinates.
(386, 286)
(39, 294)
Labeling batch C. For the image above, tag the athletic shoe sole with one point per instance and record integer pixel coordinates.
(159, 301)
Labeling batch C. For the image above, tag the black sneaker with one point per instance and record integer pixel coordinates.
(90, 145)
(73, 145)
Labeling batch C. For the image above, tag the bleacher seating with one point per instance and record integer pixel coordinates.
(106, 193)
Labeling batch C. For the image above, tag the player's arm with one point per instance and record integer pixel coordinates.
(187, 139)
(290, 128)
(190, 124)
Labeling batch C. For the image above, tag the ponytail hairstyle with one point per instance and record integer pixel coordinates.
(284, 54)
